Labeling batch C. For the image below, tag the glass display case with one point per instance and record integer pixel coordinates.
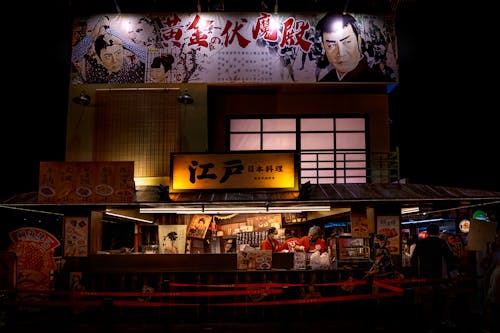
(352, 249)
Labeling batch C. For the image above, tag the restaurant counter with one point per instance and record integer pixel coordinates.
(120, 272)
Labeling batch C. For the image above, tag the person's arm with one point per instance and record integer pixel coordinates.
(323, 246)
(283, 246)
(300, 245)
(83, 46)
(318, 245)
(414, 261)
(140, 51)
(80, 49)
(412, 249)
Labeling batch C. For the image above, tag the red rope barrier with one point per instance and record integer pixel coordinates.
(77, 298)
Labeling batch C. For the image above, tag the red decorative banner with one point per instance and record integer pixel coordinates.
(34, 248)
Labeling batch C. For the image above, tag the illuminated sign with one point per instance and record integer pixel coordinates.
(480, 215)
(220, 47)
(270, 171)
(464, 226)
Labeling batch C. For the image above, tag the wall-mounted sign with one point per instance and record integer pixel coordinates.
(389, 226)
(267, 171)
(34, 248)
(76, 235)
(228, 47)
(86, 182)
(480, 215)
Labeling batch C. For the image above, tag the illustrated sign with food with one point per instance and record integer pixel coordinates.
(76, 230)
(389, 226)
(34, 248)
(86, 182)
(359, 224)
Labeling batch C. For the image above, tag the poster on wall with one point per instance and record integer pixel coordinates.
(75, 281)
(291, 218)
(233, 47)
(198, 226)
(76, 233)
(359, 225)
(389, 226)
(172, 239)
(262, 222)
(34, 248)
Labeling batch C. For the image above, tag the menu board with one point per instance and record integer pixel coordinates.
(86, 182)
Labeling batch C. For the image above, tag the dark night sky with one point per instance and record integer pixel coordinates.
(444, 127)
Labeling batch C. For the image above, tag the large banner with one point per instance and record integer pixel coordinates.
(234, 47)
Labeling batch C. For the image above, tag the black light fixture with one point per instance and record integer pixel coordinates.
(83, 99)
(185, 98)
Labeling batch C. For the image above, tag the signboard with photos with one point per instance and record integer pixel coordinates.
(86, 182)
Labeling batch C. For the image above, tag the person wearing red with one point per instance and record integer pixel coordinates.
(312, 242)
(290, 241)
(271, 242)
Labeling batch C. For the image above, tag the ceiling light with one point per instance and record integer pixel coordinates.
(231, 210)
(299, 209)
(172, 210)
(224, 209)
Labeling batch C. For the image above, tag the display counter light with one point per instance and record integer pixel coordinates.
(126, 217)
(215, 209)
(409, 210)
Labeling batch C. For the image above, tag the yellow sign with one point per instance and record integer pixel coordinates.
(270, 171)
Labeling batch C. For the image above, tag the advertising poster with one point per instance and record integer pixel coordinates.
(198, 226)
(389, 226)
(76, 234)
(359, 225)
(262, 222)
(231, 47)
(172, 239)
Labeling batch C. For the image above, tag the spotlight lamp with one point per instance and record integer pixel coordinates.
(83, 99)
(185, 98)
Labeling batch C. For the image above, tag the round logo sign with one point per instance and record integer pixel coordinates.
(464, 226)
